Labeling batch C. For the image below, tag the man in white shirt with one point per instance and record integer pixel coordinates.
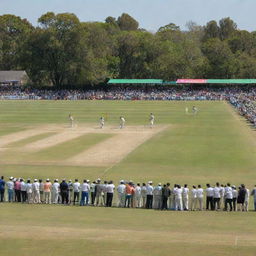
(216, 196)
(246, 200)
(200, 197)
(178, 198)
(253, 193)
(193, 198)
(209, 197)
(138, 196)
(151, 120)
(77, 188)
(234, 195)
(149, 202)
(121, 194)
(222, 196)
(185, 192)
(10, 186)
(85, 188)
(23, 189)
(55, 191)
(29, 191)
(144, 195)
(102, 122)
(122, 122)
(92, 192)
(70, 191)
(157, 197)
(36, 192)
(110, 193)
(228, 197)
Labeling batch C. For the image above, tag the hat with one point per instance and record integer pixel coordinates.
(98, 179)
(159, 184)
(150, 182)
(47, 179)
(11, 178)
(35, 180)
(56, 180)
(121, 181)
(233, 186)
(88, 180)
(70, 180)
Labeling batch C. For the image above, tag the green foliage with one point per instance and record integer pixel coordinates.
(64, 51)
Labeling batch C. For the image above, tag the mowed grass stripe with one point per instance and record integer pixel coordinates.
(70, 148)
(30, 139)
(5, 130)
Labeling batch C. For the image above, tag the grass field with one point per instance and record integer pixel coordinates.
(215, 145)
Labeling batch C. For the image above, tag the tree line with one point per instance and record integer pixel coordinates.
(62, 50)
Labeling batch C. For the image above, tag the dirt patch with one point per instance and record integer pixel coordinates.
(114, 149)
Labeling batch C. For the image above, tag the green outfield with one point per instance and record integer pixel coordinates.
(214, 145)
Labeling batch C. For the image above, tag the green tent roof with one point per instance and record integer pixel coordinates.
(135, 81)
(231, 81)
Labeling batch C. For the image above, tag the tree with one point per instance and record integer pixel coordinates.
(127, 23)
(211, 30)
(13, 31)
(227, 28)
(169, 27)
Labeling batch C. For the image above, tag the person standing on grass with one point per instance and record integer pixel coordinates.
(241, 197)
(137, 194)
(234, 195)
(222, 196)
(144, 195)
(185, 193)
(55, 191)
(70, 191)
(110, 193)
(29, 189)
(128, 194)
(165, 195)
(193, 198)
(77, 189)
(178, 198)
(228, 197)
(36, 192)
(10, 186)
(47, 191)
(253, 193)
(121, 194)
(64, 192)
(23, 190)
(99, 193)
(71, 120)
(149, 202)
(122, 122)
(41, 189)
(209, 197)
(102, 122)
(17, 190)
(157, 197)
(216, 196)
(246, 200)
(85, 188)
(151, 120)
(92, 191)
(104, 190)
(200, 197)
(2, 189)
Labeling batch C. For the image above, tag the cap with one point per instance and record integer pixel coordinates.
(150, 182)
(70, 180)
(47, 179)
(159, 184)
(98, 179)
(35, 180)
(11, 178)
(121, 181)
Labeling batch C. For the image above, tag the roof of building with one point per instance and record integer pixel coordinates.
(12, 76)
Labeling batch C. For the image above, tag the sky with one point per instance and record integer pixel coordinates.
(151, 14)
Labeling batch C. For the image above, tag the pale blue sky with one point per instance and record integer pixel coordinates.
(151, 14)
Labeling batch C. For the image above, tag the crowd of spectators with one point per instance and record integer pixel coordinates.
(242, 99)
(128, 194)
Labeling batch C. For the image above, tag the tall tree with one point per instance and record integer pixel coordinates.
(227, 28)
(128, 23)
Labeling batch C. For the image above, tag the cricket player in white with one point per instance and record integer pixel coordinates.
(178, 198)
(193, 198)
(151, 120)
(36, 192)
(102, 122)
(55, 191)
(122, 122)
(246, 199)
(71, 120)
(185, 192)
(138, 196)
(200, 196)
(121, 194)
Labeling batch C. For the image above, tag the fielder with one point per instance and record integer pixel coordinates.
(71, 120)
(194, 110)
(122, 122)
(102, 122)
(151, 120)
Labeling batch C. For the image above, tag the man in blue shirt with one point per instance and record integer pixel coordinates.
(2, 188)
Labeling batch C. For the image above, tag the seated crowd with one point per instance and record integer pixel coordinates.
(127, 194)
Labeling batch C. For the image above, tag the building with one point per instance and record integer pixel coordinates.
(13, 77)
